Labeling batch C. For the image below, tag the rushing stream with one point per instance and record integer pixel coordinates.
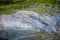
(27, 24)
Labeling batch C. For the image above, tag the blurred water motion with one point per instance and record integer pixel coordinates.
(16, 26)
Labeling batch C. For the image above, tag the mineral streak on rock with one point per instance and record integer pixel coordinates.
(16, 26)
(27, 20)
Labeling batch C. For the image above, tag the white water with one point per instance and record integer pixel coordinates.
(27, 20)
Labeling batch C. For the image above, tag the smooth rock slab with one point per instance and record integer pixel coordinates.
(26, 21)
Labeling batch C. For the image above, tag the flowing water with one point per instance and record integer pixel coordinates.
(28, 25)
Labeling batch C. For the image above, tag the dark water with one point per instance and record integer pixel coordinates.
(25, 35)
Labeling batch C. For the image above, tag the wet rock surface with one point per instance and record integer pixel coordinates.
(16, 26)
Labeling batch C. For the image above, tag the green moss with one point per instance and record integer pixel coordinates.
(11, 8)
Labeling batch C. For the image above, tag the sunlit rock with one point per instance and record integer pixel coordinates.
(27, 21)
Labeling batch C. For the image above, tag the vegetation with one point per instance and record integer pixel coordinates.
(11, 6)
(6, 2)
